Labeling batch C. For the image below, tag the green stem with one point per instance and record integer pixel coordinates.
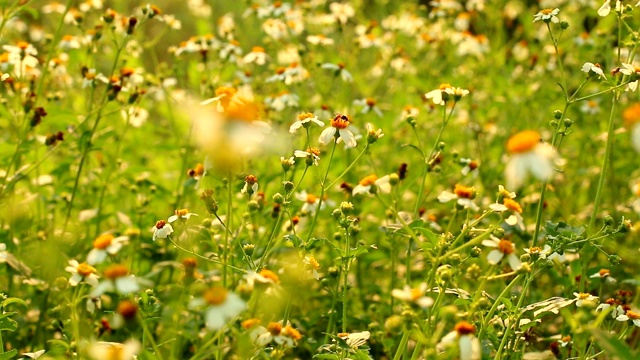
(504, 292)
(346, 170)
(403, 345)
(320, 200)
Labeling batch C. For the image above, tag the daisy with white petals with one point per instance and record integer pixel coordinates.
(593, 68)
(502, 248)
(529, 156)
(222, 306)
(413, 295)
(340, 131)
(547, 15)
(81, 272)
(304, 121)
(367, 184)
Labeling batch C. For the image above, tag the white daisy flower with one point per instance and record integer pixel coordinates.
(413, 295)
(339, 131)
(250, 185)
(547, 15)
(222, 306)
(584, 299)
(528, 156)
(305, 120)
(182, 214)
(502, 248)
(80, 272)
(468, 345)
(161, 230)
(632, 316)
(103, 245)
(312, 155)
(462, 194)
(339, 70)
(593, 68)
(117, 279)
(365, 186)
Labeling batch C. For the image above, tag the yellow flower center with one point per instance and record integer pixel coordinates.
(546, 11)
(313, 262)
(505, 247)
(269, 275)
(464, 328)
(274, 328)
(23, 45)
(583, 296)
(368, 181)
(182, 212)
(535, 250)
(566, 338)
(127, 71)
(103, 241)
(305, 116)
(115, 271)
(444, 86)
(415, 294)
(604, 272)
(464, 192)
(512, 205)
(340, 121)
(523, 141)
(160, 224)
(215, 295)
(633, 315)
(311, 199)
(227, 93)
(127, 309)
(251, 179)
(291, 333)
(85, 269)
(314, 151)
(371, 102)
(249, 323)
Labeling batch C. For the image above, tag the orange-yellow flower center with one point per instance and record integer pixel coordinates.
(127, 71)
(182, 212)
(313, 262)
(85, 269)
(311, 199)
(415, 294)
(546, 11)
(160, 224)
(115, 271)
(314, 151)
(103, 241)
(274, 328)
(523, 141)
(444, 86)
(215, 295)
(304, 116)
(566, 338)
(291, 333)
(368, 181)
(583, 296)
(512, 205)
(251, 179)
(535, 250)
(604, 272)
(22, 45)
(465, 328)
(371, 102)
(633, 315)
(505, 247)
(464, 192)
(257, 49)
(249, 323)
(127, 309)
(340, 121)
(268, 274)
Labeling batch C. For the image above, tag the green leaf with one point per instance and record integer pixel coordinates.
(9, 354)
(612, 346)
(7, 323)
(13, 300)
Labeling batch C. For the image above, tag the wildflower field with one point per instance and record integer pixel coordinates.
(319, 179)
